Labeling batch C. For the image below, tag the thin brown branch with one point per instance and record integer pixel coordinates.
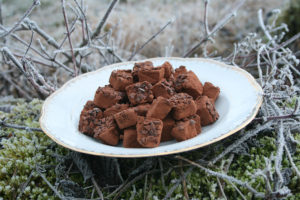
(151, 38)
(69, 36)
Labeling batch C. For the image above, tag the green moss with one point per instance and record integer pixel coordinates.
(21, 151)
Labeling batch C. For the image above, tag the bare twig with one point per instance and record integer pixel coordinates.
(291, 161)
(206, 2)
(34, 4)
(15, 126)
(97, 188)
(173, 188)
(217, 27)
(185, 192)
(151, 38)
(69, 36)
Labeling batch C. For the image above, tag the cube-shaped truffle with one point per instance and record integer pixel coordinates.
(119, 79)
(106, 97)
(151, 75)
(189, 83)
(139, 93)
(88, 116)
(130, 139)
(115, 109)
(206, 110)
(168, 125)
(211, 91)
(168, 69)
(184, 130)
(126, 118)
(159, 108)
(183, 106)
(148, 65)
(149, 131)
(142, 109)
(197, 119)
(106, 131)
(163, 88)
(180, 70)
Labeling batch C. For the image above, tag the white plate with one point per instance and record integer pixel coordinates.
(238, 103)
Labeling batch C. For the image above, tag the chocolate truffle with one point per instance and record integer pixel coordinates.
(151, 75)
(130, 139)
(211, 91)
(163, 88)
(183, 106)
(148, 65)
(126, 118)
(197, 119)
(206, 110)
(88, 116)
(139, 93)
(119, 79)
(106, 131)
(106, 97)
(115, 109)
(184, 130)
(189, 83)
(168, 124)
(159, 108)
(142, 109)
(168, 69)
(149, 131)
(180, 70)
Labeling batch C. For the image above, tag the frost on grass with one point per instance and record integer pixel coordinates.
(261, 161)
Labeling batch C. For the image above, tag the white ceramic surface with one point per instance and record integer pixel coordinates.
(238, 103)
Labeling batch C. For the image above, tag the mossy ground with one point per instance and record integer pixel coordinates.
(23, 151)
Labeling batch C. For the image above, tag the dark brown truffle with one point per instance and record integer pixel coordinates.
(130, 139)
(88, 116)
(211, 91)
(106, 131)
(142, 109)
(168, 69)
(183, 106)
(151, 75)
(115, 109)
(119, 79)
(149, 131)
(159, 108)
(163, 88)
(180, 70)
(184, 130)
(126, 118)
(168, 124)
(189, 83)
(139, 93)
(106, 97)
(148, 65)
(206, 110)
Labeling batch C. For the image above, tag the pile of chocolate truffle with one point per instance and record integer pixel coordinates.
(149, 105)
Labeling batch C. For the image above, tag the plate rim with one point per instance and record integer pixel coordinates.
(251, 116)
